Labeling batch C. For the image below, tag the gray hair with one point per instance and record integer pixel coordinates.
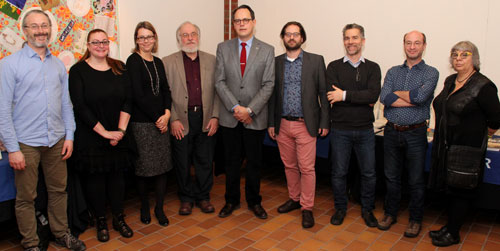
(37, 11)
(354, 26)
(470, 47)
(178, 32)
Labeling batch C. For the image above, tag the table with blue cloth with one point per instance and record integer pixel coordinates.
(7, 189)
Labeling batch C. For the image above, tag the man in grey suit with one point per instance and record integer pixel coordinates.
(298, 112)
(244, 80)
(194, 121)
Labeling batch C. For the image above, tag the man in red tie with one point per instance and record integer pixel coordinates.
(244, 92)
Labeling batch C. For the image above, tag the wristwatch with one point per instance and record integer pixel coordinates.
(250, 112)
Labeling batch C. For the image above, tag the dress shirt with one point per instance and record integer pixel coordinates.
(421, 81)
(193, 79)
(292, 89)
(355, 65)
(248, 46)
(35, 108)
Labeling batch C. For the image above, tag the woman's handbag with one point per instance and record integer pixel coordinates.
(464, 164)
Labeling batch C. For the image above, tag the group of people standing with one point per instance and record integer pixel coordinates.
(150, 115)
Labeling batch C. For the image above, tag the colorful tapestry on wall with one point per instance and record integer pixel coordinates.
(71, 22)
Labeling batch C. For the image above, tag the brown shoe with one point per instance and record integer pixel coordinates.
(386, 222)
(186, 208)
(413, 229)
(205, 206)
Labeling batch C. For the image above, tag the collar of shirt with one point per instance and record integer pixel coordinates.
(355, 65)
(293, 59)
(248, 46)
(187, 57)
(28, 51)
(417, 66)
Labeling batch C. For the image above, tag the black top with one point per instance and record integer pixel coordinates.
(99, 96)
(363, 88)
(146, 107)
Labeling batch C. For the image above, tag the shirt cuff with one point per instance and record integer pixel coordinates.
(344, 93)
(390, 98)
(69, 135)
(12, 147)
(232, 109)
(413, 95)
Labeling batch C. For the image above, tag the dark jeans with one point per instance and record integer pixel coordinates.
(342, 143)
(405, 149)
(237, 140)
(196, 148)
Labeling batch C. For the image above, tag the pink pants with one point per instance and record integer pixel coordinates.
(298, 153)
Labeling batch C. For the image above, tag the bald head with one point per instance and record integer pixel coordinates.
(421, 35)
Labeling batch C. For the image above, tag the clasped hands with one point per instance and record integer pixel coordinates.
(114, 137)
(241, 114)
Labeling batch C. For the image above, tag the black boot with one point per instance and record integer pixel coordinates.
(102, 229)
(122, 227)
(162, 218)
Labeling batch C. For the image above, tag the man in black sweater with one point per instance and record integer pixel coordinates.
(353, 84)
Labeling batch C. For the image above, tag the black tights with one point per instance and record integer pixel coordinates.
(458, 207)
(160, 182)
(98, 186)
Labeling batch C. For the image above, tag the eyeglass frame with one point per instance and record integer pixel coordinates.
(188, 35)
(100, 43)
(462, 55)
(243, 21)
(44, 26)
(292, 34)
(146, 38)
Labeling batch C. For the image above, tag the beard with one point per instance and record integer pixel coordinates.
(189, 49)
(32, 39)
(293, 48)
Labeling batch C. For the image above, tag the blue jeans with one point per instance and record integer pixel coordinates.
(405, 149)
(363, 142)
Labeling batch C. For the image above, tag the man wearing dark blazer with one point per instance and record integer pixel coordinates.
(194, 120)
(244, 79)
(298, 112)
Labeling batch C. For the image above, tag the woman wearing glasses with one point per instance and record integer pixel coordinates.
(150, 116)
(101, 94)
(466, 109)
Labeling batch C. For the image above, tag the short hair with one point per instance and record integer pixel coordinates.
(423, 35)
(470, 47)
(244, 6)
(178, 31)
(37, 11)
(354, 26)
(148, 26)
(301, 28)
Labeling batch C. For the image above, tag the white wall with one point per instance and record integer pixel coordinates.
(166, 16)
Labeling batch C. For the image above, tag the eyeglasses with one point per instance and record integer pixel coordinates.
(36, 26)
(292, 34)
(99, 43)
(462, 55)
(146, 38)
(187, 35)
(242, 21)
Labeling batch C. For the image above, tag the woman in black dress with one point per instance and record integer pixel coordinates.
(150, 116)
(101, 94)
(471, 104)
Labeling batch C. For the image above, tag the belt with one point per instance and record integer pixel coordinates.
(403, 128)
(196, 108)
(290, 118)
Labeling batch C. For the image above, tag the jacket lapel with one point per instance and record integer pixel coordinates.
(236, 56)
(253, 54)
(179, 63)
(305, 69)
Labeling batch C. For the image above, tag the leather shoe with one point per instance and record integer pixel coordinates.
(288, 206)
(445, 240)
(338, 217)
(436, 233)
(102, 229)
(145, 216)
(386, 222)
(413, 229)
(307, 219)
(205, 206)
(186, 208)
(259, 211)
(369, 218)
(228, 210)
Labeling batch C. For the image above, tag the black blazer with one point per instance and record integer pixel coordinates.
(314, 102)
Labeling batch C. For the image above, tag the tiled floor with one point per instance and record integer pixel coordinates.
(242, 231)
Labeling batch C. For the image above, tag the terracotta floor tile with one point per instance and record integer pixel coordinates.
(334, 245)
(301, 235)
(356, 228)
(368, 237)
(110, 245)
(311, 244)
(288, 244)
(345, 237)
(424, 246)
(381, 246)
(490, 245)
(218, 242)
(250, 225)
(256, 234)
(241, 243)
(156, 247)
(192, 231)
(265, 244)
(324, 235)
(279, 234)
(149, 229)
(403, 246)
(357, 245)
(180, 247)
(134, 246)
(450, 248)
(152, 239)
(187, 223)
(477, 237)
(390, 237)
(171, 230)
(235, 233)
(204, 248)
(471, 246)
(174, 240)
(207, 224)
(197, 241)
(214, 232)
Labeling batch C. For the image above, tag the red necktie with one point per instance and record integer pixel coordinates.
(243, 58)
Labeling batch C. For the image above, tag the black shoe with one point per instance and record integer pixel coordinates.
(288, 206)
(145, 215)
(122, 227)
(102, 229)
(307, 219)
(258, 211)
(369, 218)
(71, 242)
(161, 217)
(445, 240)
(228, 210)
(338, 217)
(437, 233)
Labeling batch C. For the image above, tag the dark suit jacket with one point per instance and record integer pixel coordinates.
(314, 102)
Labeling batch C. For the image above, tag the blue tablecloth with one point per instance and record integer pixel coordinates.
(7, 185)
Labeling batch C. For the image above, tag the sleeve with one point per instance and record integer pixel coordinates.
(272, 100)
(7, 87)
(164, 86)
(260, 100)
(76, 91)
(420, 95)
(387, 96)
(324, 121)
(226, 96)
(369, 95)
(127, 104)
(134, 69)
(331, 77)
(67, 108)
(488, 101)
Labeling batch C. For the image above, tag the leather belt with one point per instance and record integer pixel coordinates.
(403, 128)
(194, 108)
(290, 118)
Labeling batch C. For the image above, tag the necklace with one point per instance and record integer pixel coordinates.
(468, 76)
(154, 88)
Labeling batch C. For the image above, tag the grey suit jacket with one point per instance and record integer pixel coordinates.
(315, 106)
(252, 90)
(176, 76)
